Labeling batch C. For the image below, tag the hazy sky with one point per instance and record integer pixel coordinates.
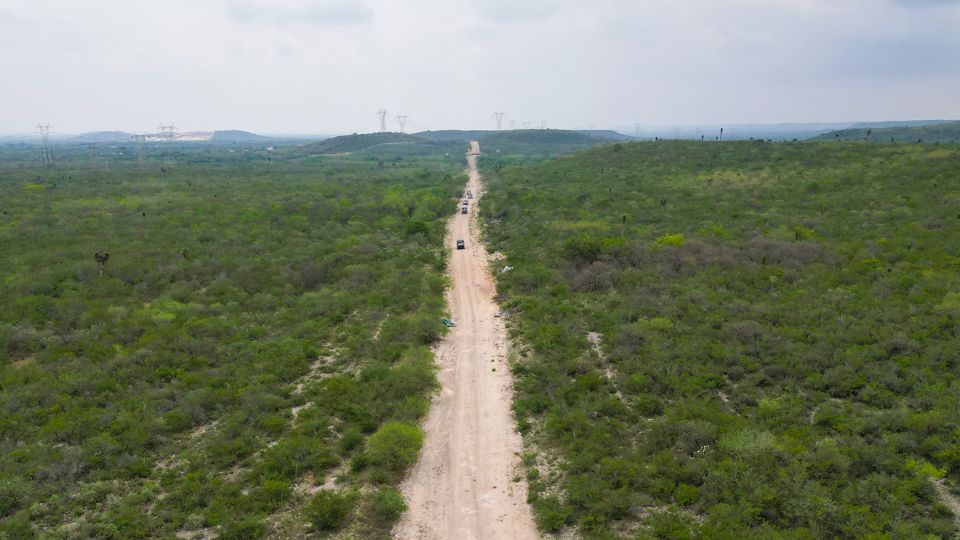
(323, 66)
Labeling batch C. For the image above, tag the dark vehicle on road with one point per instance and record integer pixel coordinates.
(460, 245)
(463, 210)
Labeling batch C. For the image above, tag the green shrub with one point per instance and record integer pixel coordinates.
(685, 494)
(12, 493)
(245, 529)
(550, 514)
(417, 227)
(388, 504)
(395, 446)
(671, 240)
(647, 405)
(329, 510)
(669, 526)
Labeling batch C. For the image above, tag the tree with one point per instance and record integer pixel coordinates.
(101, 259)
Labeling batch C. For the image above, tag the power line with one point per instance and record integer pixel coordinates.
(382, 113)
(46, 153)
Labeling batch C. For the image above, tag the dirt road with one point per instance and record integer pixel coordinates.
(463, 487)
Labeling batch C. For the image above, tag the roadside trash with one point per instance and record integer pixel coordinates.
(448, 323)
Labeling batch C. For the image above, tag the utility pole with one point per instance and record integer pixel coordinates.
(499, 116)
(382, 113)
(402, 120)
(46, 153)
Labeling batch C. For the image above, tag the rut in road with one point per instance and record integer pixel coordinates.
(463, 487)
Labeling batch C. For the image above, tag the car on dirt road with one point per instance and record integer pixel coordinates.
(463, 210)
(461, 245)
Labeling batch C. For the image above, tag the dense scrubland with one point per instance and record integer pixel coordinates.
(735, 340)
(258, 330)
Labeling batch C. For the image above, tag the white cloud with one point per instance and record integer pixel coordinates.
(12, 18)
(331, 12)
(513, 10)
(328, 65)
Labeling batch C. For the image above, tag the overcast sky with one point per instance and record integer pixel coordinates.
(326, 66)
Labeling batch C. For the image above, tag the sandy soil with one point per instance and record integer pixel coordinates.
(463, 486)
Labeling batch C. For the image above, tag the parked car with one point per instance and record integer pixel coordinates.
(463, 210)
(460, 245)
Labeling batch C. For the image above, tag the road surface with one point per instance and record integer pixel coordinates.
(463, 487)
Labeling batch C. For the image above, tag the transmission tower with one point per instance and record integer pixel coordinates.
(167, 134)
(46, 153)
(636, 127)
(402, 120)
(499, 116)
(382, 113)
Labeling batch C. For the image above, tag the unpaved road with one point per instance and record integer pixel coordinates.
(463, 486)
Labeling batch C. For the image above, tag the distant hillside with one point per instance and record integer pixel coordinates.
(383, 146)
(237, 136)
(102, 137)
(538, 141)
(606, 134)
(482, 135)
(455, 134)
(358, 142)
(899, 123)
(947, 132)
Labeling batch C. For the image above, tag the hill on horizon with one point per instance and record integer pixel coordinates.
(384, 146)
(539, 141)
(482, 135)
(346, 144)
(941, 132)
(236, 135)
